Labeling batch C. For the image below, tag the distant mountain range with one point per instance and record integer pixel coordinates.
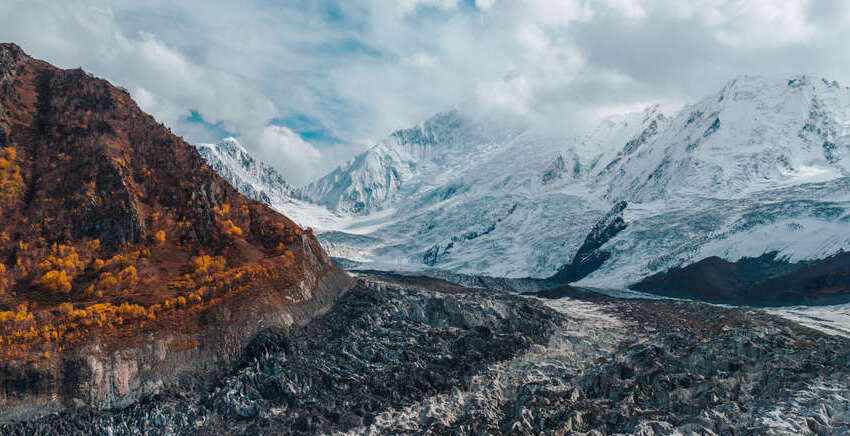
(141, 293)
(761, 166)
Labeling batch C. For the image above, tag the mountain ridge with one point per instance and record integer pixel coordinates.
(756, 167)
(127, 264)
(252, 178)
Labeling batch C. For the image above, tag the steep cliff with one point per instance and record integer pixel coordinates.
(126, 264)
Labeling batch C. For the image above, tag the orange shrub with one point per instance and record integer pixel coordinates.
(128, 275)
(132, 311)
(223, 210)
(107, 281)
(62, 257)
(23, 315)
(56, 281)
(159, 236)
(230, 229)
(77, 314)
(207, 264)
(11, 182)
(94, 245)
(7, 316)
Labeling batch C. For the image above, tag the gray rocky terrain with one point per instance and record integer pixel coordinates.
(413, 355)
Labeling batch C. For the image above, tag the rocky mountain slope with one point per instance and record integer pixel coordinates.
(760, 281)
(127, 265)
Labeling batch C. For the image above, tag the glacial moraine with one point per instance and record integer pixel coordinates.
(402, 355)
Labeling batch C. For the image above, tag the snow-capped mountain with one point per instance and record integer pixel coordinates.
(763, 165)
(257, 180)
(252, 178)
(752, 135)
(373, 179)
(508, 203)
(616, 139)
(759, 167)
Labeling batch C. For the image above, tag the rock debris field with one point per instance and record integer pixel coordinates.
(402, 355)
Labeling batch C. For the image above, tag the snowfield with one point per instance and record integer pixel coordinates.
(762, 165)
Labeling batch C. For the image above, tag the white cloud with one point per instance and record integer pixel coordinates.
(630, 8)
(511, 95)
(358, 69)
(557, 12)
(283, 148)
(421, 60)
(161, 78)
(751, 23)
(408, 6)
(484, 4)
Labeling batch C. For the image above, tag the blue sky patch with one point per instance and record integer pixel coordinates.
(216, 130)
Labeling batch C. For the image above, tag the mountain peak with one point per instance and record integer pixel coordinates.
(11, 51)
(747, 85)
(252, 178)
(234, 143)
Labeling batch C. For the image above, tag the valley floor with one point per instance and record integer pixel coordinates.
(411, 355)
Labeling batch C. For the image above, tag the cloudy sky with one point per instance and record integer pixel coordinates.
(305, 84)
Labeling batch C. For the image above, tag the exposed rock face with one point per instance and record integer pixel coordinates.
(406, 355)
(759, 281)
(127, 266)
(589, 257)
(159, 362)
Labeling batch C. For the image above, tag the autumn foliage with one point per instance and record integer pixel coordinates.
(59, 268)
(110, 224)
(210, 283)
(56, 281)
(11, 182)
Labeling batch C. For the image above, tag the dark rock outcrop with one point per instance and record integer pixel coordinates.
(756, 281)
(589, 257)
